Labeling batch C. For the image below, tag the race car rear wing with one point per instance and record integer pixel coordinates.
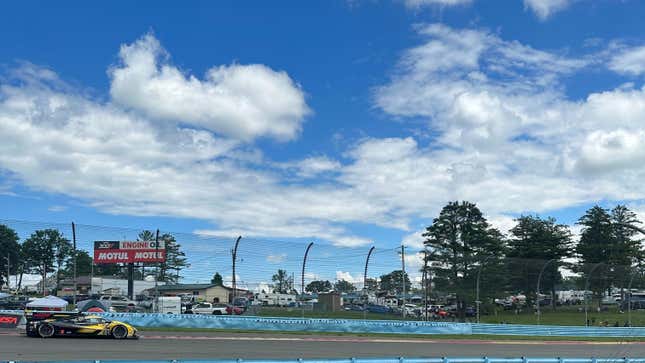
(36, 315)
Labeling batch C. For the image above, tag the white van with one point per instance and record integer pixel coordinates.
(167, 305)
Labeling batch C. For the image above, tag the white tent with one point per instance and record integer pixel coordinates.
(49, 302)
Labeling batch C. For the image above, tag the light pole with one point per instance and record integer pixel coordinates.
(585, 292)
(537, 292)
(75, 283)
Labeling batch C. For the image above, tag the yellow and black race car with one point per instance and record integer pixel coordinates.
(57, 324)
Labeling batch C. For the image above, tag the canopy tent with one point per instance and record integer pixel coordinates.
(47, 303)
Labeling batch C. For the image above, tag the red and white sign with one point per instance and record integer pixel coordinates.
(129, 251)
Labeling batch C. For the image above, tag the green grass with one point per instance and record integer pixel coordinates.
(566, 315)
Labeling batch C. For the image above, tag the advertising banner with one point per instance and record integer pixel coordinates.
(129, 251)
(9, 320)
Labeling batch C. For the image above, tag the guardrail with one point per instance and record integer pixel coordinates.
(379, 360)
(255, 323)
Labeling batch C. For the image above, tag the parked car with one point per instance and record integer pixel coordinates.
(117, 301)
(380, 309)
(234, 310)
(353, 307)
(206, 308)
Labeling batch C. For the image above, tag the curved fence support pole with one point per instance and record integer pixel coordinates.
(537, 291)
(629, 302)
(585, 292)
(302, 291)
(479, 270)
(234, 253)
(367, 261)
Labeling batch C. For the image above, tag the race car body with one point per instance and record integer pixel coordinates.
(78, 325)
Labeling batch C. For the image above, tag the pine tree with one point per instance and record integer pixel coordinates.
(462, 241)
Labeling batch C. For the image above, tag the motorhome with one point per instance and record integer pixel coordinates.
(276, 299)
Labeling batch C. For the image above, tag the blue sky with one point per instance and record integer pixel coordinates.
(343, 122)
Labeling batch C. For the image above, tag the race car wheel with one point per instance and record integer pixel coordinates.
(119, 332)
(217, 312)
(46, 330)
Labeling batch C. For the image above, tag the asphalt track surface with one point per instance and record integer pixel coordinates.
(168, 346)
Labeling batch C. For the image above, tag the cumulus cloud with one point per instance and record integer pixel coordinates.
(420, 3)
(414, 240)
(629, 61)
(543, 9)
(507, 136)
(241, 101)
(276, 258)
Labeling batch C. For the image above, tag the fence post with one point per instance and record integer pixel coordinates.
(585, 292)
(75, 283)
(234, 253)
(629, 302)
(302, 291)
(367, 261)
(537, 294)
(479, 270)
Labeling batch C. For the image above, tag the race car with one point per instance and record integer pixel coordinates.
(58, 324)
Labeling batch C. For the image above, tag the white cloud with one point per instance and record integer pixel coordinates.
(347, 276)
(420, 3)
(543, 9)
(241, 101)
(276, 258)
(414, 240)
(629, 61)
(57, 208)
(507, 136)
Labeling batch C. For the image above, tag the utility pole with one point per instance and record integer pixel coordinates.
(8, 270)
(75, 283)
(403, 279)
(425, 283)
(156, 302)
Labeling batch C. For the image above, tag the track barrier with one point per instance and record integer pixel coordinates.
(255, 323)
(375, 360)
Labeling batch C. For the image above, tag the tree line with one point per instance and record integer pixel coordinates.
(48, 251)
(461, 245)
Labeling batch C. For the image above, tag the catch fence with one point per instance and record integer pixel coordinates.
(492, 289)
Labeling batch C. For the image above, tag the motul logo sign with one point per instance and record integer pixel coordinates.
(129, 251)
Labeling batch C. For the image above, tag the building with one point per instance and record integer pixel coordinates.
(202, 292)
(329, 301)
(103, 286)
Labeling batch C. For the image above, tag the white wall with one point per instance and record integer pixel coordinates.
(100, 284)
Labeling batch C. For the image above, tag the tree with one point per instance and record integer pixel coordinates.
(44, 250)
(217, 279)
(371, 285)
(344, 286)
(534, 243)
(318, 286)
(175, 260)
(462, 242)
(83, 265)
(283, 283)
(9, 247)
(625, 250)
(393, 282)
(595, 247)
